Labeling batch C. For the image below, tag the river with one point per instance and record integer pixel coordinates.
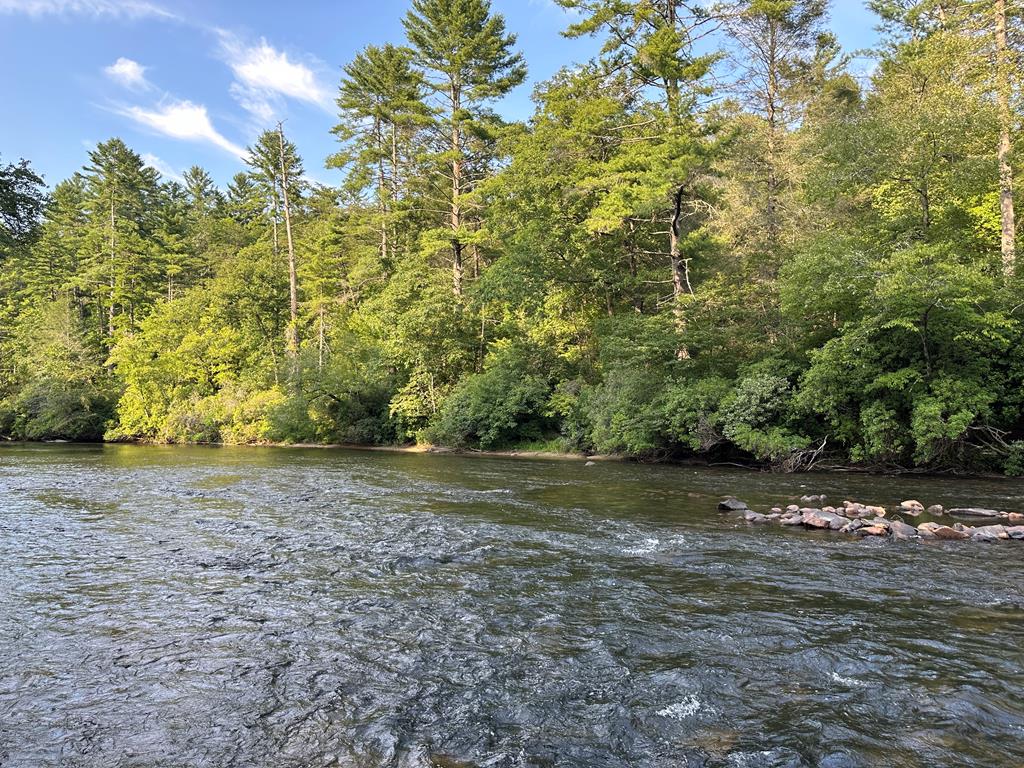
(199, 606)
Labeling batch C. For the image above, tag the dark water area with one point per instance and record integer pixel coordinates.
(276, 607)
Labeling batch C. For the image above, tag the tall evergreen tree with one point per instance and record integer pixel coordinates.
(382, 108)
(470, 61)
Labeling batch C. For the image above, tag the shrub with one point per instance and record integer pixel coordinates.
(498, 407)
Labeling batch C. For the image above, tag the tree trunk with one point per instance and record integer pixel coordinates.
(382, 195)
(456, 211)
(773, 226)
(680, 271)
(292, 335)
(1003, 86)
(113, 268)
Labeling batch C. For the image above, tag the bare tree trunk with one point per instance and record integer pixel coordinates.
(1009, 229)
(292, 335)
(680, 271)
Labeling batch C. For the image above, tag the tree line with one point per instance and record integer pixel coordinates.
(714, 239)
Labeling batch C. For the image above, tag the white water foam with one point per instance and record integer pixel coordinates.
(681, 710)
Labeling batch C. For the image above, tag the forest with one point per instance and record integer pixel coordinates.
(716, 240)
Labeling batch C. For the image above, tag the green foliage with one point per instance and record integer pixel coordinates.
(500, 406)
(652, 265)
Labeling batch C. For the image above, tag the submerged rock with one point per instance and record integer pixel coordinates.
(732, 504)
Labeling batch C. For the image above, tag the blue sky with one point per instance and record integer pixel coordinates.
(193, 81)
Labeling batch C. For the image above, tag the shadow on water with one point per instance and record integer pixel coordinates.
(249, 607)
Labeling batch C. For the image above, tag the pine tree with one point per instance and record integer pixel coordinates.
(470, 61)
(382, 110)
(121, 262)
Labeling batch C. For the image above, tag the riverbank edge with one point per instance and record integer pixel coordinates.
(440, 450)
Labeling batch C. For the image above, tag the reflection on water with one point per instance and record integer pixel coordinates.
(262, 607)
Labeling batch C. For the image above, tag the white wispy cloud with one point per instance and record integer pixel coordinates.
(165, 168)
(264, 76)
(183, 120)
(128, 73)
(129, 9)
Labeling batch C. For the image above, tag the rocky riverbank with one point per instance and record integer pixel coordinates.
(857, 519)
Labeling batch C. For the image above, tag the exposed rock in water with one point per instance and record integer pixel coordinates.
(818, 518)
(901, 530)
(813, 499)
(911, 507)
(732, 504)
(936, 510)
(990, 533)
(947, 533)
(866, 520)
(972, 512)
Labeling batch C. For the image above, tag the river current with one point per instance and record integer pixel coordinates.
(292, 607)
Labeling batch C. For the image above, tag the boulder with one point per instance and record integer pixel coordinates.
(792, 508)
(791, 519)
(732, 504)
(936, 510)
(902, 531)
(912, 505)
(776, 510)
(990, 533)
(949, 534)
(975, 512)
(1015, 532)
(852, 527)
(876, 511)
(755, 517)
(873, 530)
(926, 530)
(812, 499)
(1015, 517)
(817, 518)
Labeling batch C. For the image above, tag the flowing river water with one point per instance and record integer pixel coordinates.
(292, 607)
